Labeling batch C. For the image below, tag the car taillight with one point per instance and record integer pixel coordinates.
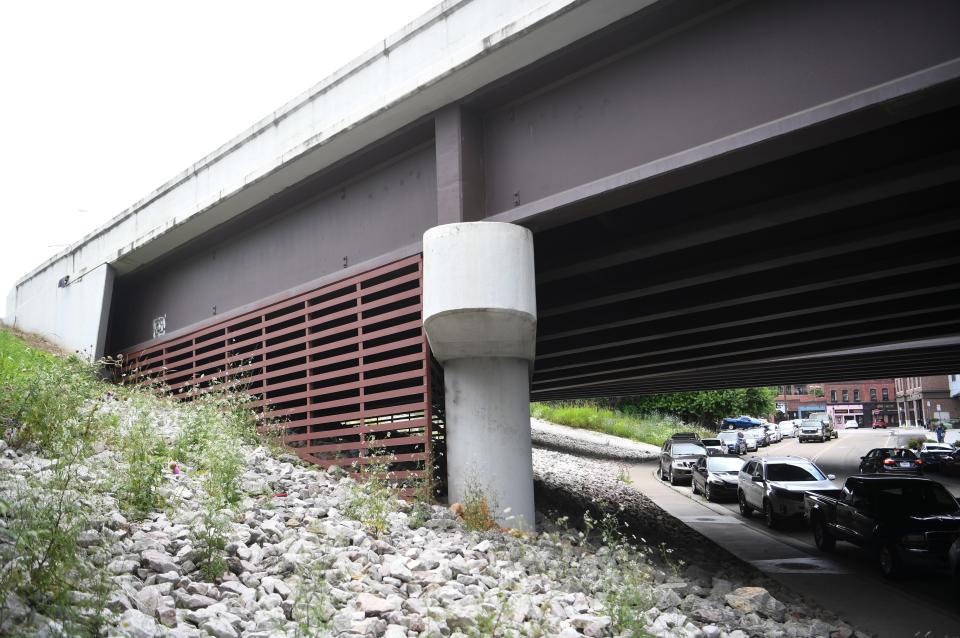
(889, 462)
(919, 462)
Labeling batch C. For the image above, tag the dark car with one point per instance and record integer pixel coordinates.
(935, 455)
(677, 459)
(716, 476)
(951, 467)
(902, 520)
(953, 557)
(891, 460)
(734, 440)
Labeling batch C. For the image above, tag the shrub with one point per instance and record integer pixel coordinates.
(475, 509)
(371, 499)
(40, 560)
(48, 401)
(144, 457)
(312, 609)
(916, 443)
(209, 538)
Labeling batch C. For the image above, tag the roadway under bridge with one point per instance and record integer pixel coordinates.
(709, 194)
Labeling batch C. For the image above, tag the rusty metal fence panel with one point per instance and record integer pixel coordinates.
(344, 370)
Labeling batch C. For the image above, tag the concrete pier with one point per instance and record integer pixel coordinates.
(479, 310)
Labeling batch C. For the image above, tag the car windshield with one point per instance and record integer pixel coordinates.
(722, 464)
(679, 449)
(729, 436)
(914, 499)
(710, 441)
(811, 424)
(793, 472)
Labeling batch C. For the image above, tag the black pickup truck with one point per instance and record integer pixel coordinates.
(904, 521)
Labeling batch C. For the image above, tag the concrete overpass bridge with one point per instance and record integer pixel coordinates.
(698, 195)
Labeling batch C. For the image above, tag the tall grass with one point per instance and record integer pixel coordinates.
(646, 428)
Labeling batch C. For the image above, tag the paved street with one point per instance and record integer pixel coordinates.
(848, 580)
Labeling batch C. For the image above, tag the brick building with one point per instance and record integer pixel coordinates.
(923, 400)
(862, 401)
(796, 401)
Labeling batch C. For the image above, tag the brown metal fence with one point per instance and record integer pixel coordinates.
(344, 371)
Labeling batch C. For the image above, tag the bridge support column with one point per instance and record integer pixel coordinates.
(479, 310)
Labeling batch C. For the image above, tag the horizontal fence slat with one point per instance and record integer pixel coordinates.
(317, 346)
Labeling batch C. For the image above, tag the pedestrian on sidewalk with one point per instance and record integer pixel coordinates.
(941, 432)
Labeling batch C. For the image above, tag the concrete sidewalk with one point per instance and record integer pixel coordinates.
(868, 603)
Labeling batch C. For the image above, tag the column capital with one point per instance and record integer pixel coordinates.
(479, 296)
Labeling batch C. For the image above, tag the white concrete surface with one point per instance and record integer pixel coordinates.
(451, 51)
(489, 452)
(73, 315)
(479, 296)
(479, 314)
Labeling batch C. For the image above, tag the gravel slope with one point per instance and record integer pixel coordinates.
(298, 566)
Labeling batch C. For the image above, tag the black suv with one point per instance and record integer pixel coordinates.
(678, 456)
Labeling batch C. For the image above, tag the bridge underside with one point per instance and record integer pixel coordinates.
(756, 277)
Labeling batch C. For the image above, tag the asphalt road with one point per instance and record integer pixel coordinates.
(842, 457)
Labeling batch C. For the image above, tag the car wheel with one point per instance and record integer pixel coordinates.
(745, 510)
(824, 540)
(661, 473)
(707, 494)
(673, 479)
(890, 565)
(693, 486)
(768, 515)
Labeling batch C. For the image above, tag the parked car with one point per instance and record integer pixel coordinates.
(734, 441)
(951, 467)
(677, 458)
(775, 486)
(902, 520)
(936, 455)
(816, 430)
(760, 434)
(850, 424)
(716, 476)
(879, 424)
(714, 446)
(789, 428)
(890, 460)
(773, 432)
(953, 557)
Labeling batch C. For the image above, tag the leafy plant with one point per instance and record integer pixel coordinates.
(209, 538)
(371, 499)
(475, 509)
(144, 457)
(41, 518)
(311, 605)
(627, 599)
(915, 443)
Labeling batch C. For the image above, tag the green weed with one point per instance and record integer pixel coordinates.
(144, 459)
(371, 497)
(209, 538)
(653, 429)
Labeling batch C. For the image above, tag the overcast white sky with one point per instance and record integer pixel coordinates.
(103, 101)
